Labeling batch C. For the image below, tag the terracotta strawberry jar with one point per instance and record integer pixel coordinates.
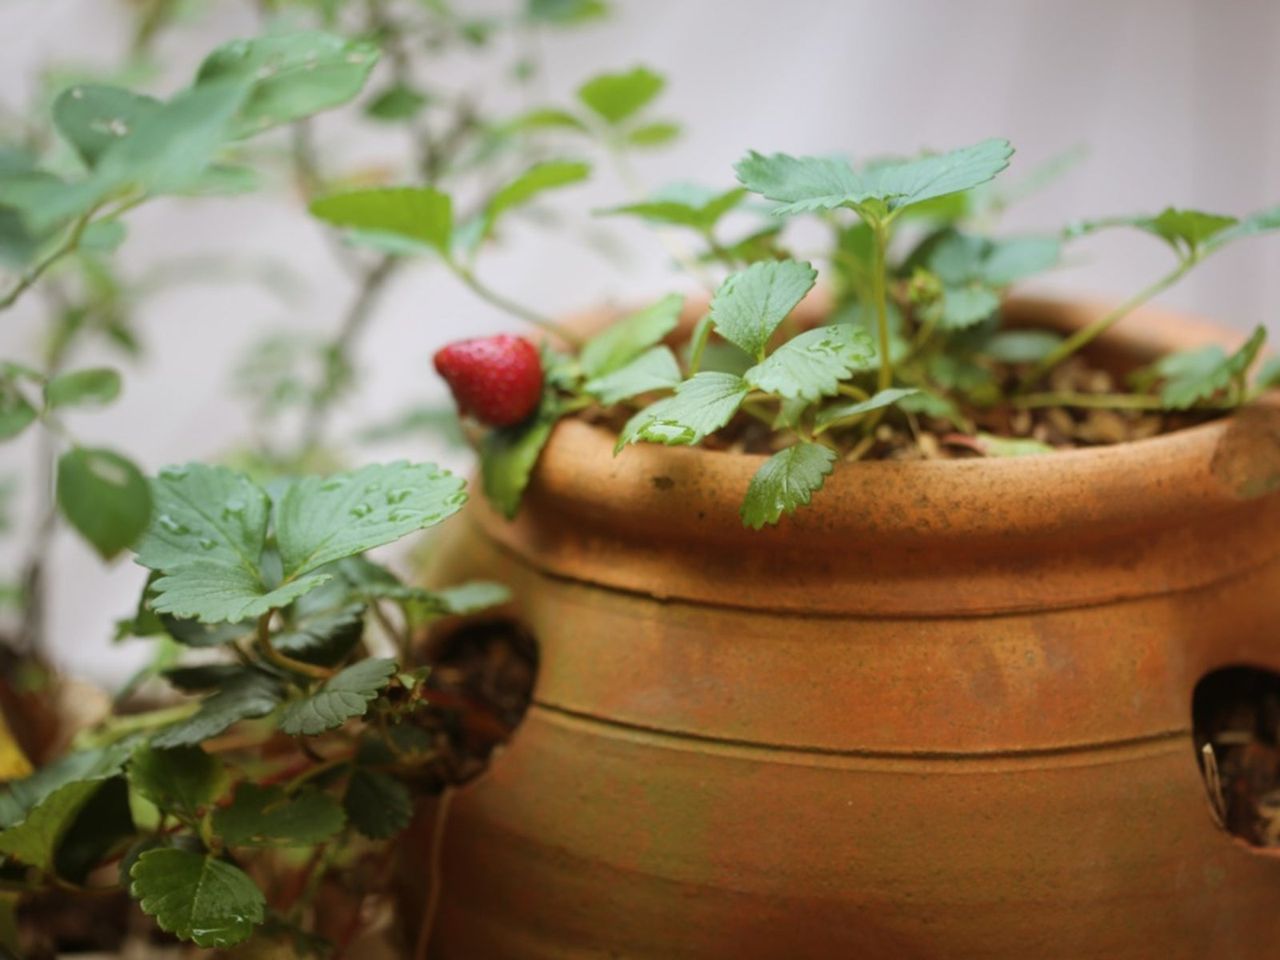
(943, 713)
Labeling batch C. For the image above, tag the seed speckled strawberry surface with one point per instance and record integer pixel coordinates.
(497, 380)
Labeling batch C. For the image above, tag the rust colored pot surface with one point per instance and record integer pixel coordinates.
(943, 713)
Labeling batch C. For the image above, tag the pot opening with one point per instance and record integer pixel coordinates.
(479, 687)
(1236, 725)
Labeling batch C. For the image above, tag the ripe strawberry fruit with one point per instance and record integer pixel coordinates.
(497, 380)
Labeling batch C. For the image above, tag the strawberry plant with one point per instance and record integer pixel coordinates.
(910, 358)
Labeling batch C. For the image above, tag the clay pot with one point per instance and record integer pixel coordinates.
(943, 713)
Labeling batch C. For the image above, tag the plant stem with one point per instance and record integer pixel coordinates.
(68, 245)
(1087, 335)
(878, 296)
(488, 294)
(284, 662)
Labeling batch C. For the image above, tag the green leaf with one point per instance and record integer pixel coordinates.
(96, 386)
(565, 12)
(1021, 346)
(22, 796)
(749, 306)
(616, 96)
(206, 536)
(378, 805)
(1193, 376)
(785, 482)
(701, 405)
(16, 411)
(548, 118)
(245, 697)
(267, 816)
(993, 446)
(685, 205)
(105, 497)
(291, 76)
(206, 676)
(320, 520)
(98, 828)
(196, 897)
(1264, 221)
(472, 597)
(655, 369)
(34, 840)
(964, 307)
(812, 364)
(549, 175)
(419, 215)
(508, 456)
(1016, 258)
(322, 636)
(847, 411)
(91, 117)
(183, 780)
(397, 102)
(341, 697)
(656, 134)
(622, 342)
(803, 184)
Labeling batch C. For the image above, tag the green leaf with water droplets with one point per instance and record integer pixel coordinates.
(320, 520)
(105, 497)
(267, 816)
(701, 405)
(291, 76)
(751, 304)
(197, 897)
(785, 482)
(813, 364)
(92, 117)
(341, 697)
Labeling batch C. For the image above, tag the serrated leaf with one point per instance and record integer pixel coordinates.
(378, 805)
(320, 520)
(623, 341)
(245, 697)
(34, 839)
(105, 497)
(549, 175)
(291, 76)
(196, 897)
(785, 482)
(21, 796)
(616, 96)
(655, 369)
(812, 364)
(847, 411)
(685, 205)
(508, 456)
(183, 780)
(1196, 375)
(421, 216)
(92, 117)
(96, 386)
(206, 536)
(341, 697)
(803, 184)
(749, 306)
(701, 405)
(267, 816)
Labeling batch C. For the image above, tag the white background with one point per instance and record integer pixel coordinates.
(1178, 102)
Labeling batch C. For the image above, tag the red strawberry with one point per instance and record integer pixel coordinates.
(497, 380)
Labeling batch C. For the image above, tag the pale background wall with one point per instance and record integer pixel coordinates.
(1178, 101)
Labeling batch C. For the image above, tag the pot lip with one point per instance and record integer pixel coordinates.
(1131, 484)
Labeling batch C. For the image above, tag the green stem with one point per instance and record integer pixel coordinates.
(284, 662)
(878, 296)
(68, 245)
(476, 286)
(1087, 335)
